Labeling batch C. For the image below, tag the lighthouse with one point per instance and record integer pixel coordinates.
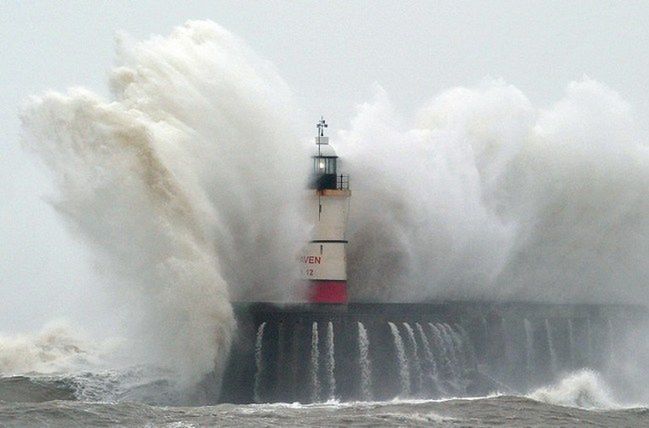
(324, 263)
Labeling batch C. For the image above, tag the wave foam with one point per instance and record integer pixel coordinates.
(56, 348)
(167, 182)
(490, 197)
(584, 389)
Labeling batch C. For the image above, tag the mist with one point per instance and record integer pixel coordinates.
(482, 195)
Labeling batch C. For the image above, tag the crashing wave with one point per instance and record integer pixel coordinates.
(584, 388)
(58, 347)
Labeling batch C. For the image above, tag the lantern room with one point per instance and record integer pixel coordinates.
(325, 164)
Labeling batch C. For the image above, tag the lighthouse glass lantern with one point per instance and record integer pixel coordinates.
(324, 171)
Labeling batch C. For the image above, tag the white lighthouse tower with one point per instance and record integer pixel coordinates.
(325, 260)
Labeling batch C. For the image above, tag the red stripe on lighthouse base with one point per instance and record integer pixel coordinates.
(328, 291)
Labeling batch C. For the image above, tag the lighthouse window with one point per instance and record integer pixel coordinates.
(319, 165)
(324, 165)
(331, 166)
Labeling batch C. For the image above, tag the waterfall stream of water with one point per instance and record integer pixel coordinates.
(364, 362)
(259, 362)
(529, 346)
(458, 347)
(440, 343)
(331, 362)
(315, 364)
(415, 362)
(468, 348)
(310, 362)
(402, 359)
(449, 346)
(431, 366)
(554, 364)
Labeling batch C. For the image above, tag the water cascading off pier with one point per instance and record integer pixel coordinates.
(329, 348)
(311, 353)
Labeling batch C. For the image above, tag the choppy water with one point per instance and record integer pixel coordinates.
(490, 411)
(118, 399)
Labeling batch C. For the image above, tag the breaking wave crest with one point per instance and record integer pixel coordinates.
(484, 196)
(166, 182)
(134, 384)
(584, 388)
(58, 347)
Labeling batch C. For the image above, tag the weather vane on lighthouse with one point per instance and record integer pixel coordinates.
(321, 125)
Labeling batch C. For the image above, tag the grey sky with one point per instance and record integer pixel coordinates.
(330, 53)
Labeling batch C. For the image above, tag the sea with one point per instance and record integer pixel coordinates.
(134, 398)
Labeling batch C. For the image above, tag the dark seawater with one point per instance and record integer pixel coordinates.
(480, 412)
(112, 399)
